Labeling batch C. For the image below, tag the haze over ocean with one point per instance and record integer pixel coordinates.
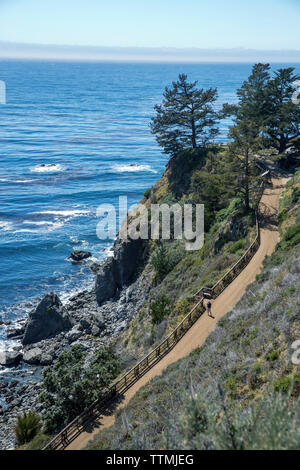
(74, 136)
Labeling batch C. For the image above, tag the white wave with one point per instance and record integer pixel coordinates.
(30, 222)
(6, 226)
(46, 227)
(109, 251)
(22, 181)
(67, 213)
(47, 168)
(16, 181)
(133, 167)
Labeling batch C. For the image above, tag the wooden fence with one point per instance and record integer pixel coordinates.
(117, 389)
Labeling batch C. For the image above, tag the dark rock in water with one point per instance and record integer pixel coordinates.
(48, 319)
(10, 358)
(105, 283)
(3, 384)
(15, 331)
(6, 323)
(79, 255)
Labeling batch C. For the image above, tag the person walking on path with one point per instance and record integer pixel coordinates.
(208, 307)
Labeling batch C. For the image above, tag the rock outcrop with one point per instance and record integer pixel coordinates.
(48, 319)
(118, 271)
(33, 356)
(15, 331)
(106, 285)
(79, 255)
(10, 358)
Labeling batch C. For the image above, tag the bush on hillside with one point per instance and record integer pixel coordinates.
(160, 308)
(71, 385)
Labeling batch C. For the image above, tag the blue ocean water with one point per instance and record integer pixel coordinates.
(74, 136)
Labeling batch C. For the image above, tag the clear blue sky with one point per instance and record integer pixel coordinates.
(259, 24)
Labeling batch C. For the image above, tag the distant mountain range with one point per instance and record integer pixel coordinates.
(10, 50)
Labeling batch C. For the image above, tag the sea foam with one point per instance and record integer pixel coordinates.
(133, 167)
(47, 168)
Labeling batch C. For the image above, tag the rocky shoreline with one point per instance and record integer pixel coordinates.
(90, 318)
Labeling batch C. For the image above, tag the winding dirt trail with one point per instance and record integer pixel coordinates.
(197, 335)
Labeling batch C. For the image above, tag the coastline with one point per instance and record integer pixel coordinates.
(94, 326)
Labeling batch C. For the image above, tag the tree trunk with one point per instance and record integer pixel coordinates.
(247, 204)
(194, 141)
(282, 145)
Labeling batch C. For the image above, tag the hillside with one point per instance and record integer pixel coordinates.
(241, 389)
(195, 177)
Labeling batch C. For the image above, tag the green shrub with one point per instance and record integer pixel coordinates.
(147, 193)
(231, 386)
(273, 355)
(254, 378)
(161, 262)
(195, 420)
(295, 195)
(182, 307)
(284, 384)
(291, 238)
(28, 425)
(282, 216)
(70, 386)
(38, 442)
(236, 246)
(160, 308)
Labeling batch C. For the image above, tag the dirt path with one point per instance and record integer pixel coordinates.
(197, 335)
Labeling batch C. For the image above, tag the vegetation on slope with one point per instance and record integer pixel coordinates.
(74, 383)
(176, 274)
(241, 390)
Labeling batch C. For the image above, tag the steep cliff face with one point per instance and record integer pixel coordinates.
(119, 270)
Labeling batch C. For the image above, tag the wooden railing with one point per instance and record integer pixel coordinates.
(79, 424)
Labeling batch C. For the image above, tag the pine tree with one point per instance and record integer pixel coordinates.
(186, 118)
(249, 118)
(253, 107)
(282, 124)
(244, 146)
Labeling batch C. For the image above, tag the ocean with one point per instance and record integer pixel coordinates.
(74, 136)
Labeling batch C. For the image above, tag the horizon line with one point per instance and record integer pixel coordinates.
(83, 53)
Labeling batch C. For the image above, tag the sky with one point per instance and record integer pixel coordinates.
(253, 24)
